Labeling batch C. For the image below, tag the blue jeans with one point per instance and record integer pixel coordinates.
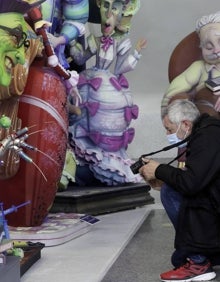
(171, 201)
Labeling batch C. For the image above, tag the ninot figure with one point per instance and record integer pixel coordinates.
(101, 134)
(68, 18)
(34, 97)
(191, 83)
(19, 46)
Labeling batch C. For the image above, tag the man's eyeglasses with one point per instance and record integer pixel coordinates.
(21, 37)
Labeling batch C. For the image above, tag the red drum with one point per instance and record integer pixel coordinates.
(42, 109)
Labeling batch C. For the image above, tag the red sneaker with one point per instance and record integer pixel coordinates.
(190, 271)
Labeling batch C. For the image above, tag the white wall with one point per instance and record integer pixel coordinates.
(163, 23)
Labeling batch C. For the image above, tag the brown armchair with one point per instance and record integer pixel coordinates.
(184, 54)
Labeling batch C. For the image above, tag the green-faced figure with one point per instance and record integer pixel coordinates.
(111, 13)
(13, 35)
(13, 40)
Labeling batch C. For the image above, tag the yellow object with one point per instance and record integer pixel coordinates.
(69, 170)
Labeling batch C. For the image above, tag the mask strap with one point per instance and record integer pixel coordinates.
(178, 127)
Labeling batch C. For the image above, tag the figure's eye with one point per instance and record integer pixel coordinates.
(14, 38)
(106, 5)
(18, 36)
(207, 45)
(117, 6)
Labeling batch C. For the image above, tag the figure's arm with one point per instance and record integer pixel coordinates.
(184, 82)
(126, 61)
(79, 54)
(66, 36)
(70, 78)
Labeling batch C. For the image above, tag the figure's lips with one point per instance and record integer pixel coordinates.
(8, 64)
(107, 28)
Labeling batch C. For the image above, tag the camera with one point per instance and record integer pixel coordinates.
(137, 165)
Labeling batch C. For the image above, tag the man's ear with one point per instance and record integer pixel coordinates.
(187, 124)
(98, 3)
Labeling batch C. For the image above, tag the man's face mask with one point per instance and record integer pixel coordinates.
(173, 138)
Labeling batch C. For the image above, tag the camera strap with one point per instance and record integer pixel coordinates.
(177, 157)
(167, 148)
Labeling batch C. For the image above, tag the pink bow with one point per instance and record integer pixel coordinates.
(92, 107)
(119, 82)
(106, 42)
(112, 143)
(123, 81)
(109, 143)
(128, 136)
(131, 113)
(93, 82)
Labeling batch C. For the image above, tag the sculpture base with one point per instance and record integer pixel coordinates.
(100, 200)
(14, 267)
(32, 253)
(56, 229)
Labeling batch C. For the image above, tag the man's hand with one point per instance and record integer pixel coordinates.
(148, 170)
(155, 184)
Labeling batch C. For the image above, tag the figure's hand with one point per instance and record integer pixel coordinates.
(56, 40)
(72, 109)
(148, 170)
(141, 44)
(71, 87)
(42, 23)
(53, 61)
(74, 78)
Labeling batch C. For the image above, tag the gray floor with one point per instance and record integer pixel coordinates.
(148, 252)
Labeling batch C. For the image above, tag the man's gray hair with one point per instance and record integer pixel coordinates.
(180, 110)
(204, 20)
